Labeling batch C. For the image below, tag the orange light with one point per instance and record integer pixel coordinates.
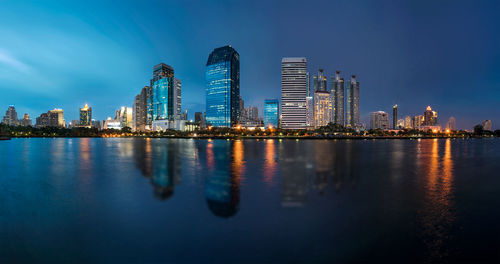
(435, 131)
(448, 131)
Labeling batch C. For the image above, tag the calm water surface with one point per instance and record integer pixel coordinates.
(267, 201)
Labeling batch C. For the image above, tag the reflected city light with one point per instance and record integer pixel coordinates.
(270, 164)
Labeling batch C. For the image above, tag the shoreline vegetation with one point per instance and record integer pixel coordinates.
(327, 132)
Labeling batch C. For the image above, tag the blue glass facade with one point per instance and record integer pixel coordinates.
(223, 87)
(161, 99)
(161, 95)
(271, 113)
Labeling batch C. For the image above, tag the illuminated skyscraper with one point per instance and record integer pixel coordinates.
(379, 120)
(124, 116)
(395, 117)
(271, 113)
(338, 99)
(487, 125)
(162, 103)
(223, 87)
(352, 109)
(408, 123)
(10, 117)
(322, 108)
(177, 110)
(319, 82)
(451, 124)
(430, 117)
(86, 116)
(26, 121)
(140, 110)
(293, 93)
(309, 112)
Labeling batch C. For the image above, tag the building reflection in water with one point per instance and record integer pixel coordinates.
(294, 174)
(323, 158)
(437, 214)
(270, 164)
(159, 161)
(222, 185)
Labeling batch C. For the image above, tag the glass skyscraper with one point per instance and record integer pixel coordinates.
(338, 99)
(271, 113)
(352, 109)
(223, 87)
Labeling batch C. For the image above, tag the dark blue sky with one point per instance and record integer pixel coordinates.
(417, 53)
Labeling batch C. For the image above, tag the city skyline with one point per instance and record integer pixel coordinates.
(110, 72)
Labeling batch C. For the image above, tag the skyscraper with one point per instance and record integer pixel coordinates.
(10, 117)
(395, 117)
(293, 93)
(56, 118)
(177, 99)
(322, 108)
(408, 123)
(319, 82)
(86, 116)
(352, 110)
(451, 124)
(271, 113)
(124, 116)
(379, 120)
(140, 110)
(487, 125)
(430, 117)
(162, 93)
(309, 112)
(223, 87)
(338, 99)
(26, 121)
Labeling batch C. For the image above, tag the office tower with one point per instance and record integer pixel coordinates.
(198, 117)
(395, 117)
(42, 120)
(400, 124)
(487, 125)
(223, 87)
(271, 113)
(451, 124)
(338, 99)
(124, 116)
(10, 117)
(322, 108)
(418, 122)
(86, 116)
(253, 113)
(184, 115)
(352, 109)
(408, 123)
(139, 109)
(293, 93)
(430, 117)
(163, 93)
(309, 112)
(177, 112)
(56, 118)
(26, 121)
(319, 81)
(379, 120)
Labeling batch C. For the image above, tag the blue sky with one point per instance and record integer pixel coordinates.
(415, 53)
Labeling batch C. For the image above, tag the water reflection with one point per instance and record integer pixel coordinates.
(437, 213)
(222, 186)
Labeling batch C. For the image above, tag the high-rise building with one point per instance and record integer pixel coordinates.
(223, 87)
(322, 108)
(53, 118)
(395, 117)
(379, 120)
(310, 112)
(400, 123)
(42, 120)
(408, 123)
(487, 125)
(430, 117)
(319, 82)
(10, 117)
(451, 124)
(140, 110)
(124, 116)
(271, 113)
(293, 93)
(198, 118)
(418, 122)
(352, 100)
(86, 116)
(26, 121)
(162, 95)
(177, 100)
(338, 99)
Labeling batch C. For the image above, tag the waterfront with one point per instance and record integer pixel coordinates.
(233, 201)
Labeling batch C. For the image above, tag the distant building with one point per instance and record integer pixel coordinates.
(139, 109)
(177, 101)
(10, 117)
(352, 101)
(162, 99)
(271, 113)
(199, 119)
(395, 117)
(26, 121)
(451, 124)
(408, 122)
(293, 93)
(418, 122)
(322, 108)
(400, 124)
(487, 125)
(338, 99)
(124, 116)
(112, 124)
(430, 117)
(379, 120)
(53, 118)
(222, 77)
(319, 82)
(85, 116)
(310, 112)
